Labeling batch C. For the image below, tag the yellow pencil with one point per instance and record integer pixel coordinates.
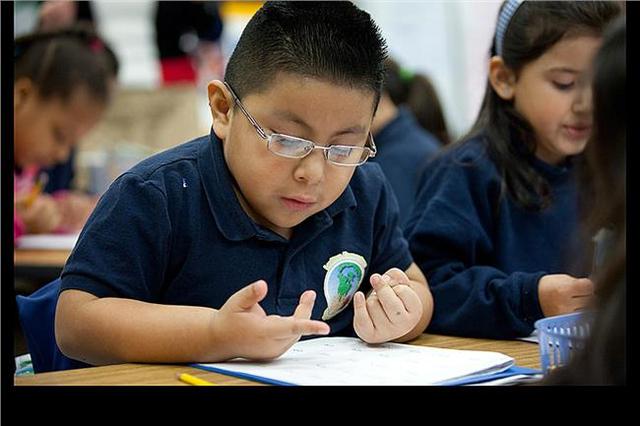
(36, 190)
(193, 380)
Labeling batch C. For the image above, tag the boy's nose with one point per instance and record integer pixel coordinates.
(310, 169)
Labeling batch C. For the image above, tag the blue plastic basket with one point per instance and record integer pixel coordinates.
(561, 337)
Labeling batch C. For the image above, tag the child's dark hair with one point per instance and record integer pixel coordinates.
(603, 360)
(606, 152)
(534, 28)
(416, 92)
(59, 61)
(331, 41)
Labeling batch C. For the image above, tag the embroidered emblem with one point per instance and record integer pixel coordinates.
(344, 275)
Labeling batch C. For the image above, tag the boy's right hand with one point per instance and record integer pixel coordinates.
(41, 216)
(243, 326)
(561, 294)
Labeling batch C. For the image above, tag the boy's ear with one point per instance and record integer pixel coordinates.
(220, 105)
(23, 91)
(502, 78)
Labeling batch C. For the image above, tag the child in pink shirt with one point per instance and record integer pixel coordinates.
(62, 86)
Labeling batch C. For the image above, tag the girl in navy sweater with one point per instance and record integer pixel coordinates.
(494, 226)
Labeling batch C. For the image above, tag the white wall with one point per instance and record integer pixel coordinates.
(446, 40)
(128, 28)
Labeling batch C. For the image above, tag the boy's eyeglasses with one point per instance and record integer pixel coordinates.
(294, 147)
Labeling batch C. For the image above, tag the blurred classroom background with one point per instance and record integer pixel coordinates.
(160, 103)
(447, 41)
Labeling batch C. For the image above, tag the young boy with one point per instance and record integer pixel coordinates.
(218, 248)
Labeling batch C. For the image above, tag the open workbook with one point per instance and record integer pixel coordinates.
(350, 361)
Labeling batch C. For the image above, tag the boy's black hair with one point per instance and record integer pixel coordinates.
(534, 28)
(59, 61)
(331, 41)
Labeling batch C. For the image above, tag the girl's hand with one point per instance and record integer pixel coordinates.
(75, 210)
(41, 216)
(563, 294)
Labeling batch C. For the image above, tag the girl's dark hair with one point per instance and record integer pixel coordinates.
(332, 41)
(417, 92)
(534, 28)
(603, 361)
(59, 61)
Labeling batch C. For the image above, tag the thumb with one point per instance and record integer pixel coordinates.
(247, 296)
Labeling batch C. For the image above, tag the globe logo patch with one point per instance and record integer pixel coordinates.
(344, 275)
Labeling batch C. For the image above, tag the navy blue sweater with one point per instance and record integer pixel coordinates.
(404, 148)
(482, 253)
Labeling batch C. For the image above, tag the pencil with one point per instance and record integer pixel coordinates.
(193, 380)
(36, 189)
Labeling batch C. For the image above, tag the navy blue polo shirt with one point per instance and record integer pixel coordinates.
(483, 254)
(404, 148)
(172, 231)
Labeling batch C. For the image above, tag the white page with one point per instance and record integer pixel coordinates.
(48, 241)
(533, 337)
(350, 361)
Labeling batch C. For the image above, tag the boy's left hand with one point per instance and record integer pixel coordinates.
(390, 311)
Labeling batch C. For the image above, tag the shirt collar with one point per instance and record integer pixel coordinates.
(344, 201)
(554, 173)
(232, 221)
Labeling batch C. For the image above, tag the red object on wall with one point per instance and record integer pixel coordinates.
(178, 70)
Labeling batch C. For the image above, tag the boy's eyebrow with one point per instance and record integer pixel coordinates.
(290, 116)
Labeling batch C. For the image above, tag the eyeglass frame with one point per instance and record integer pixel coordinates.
(373, 150)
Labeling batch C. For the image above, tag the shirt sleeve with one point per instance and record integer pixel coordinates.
(391, 249)
(450, 236)
(123, 249)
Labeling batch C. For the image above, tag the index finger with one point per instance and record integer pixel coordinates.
(305, 307)
(287, 327)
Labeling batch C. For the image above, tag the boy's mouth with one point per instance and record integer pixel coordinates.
(298, 203)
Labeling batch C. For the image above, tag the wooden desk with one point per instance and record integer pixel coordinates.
(524, 353)
(39, 265)
(40, 258)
